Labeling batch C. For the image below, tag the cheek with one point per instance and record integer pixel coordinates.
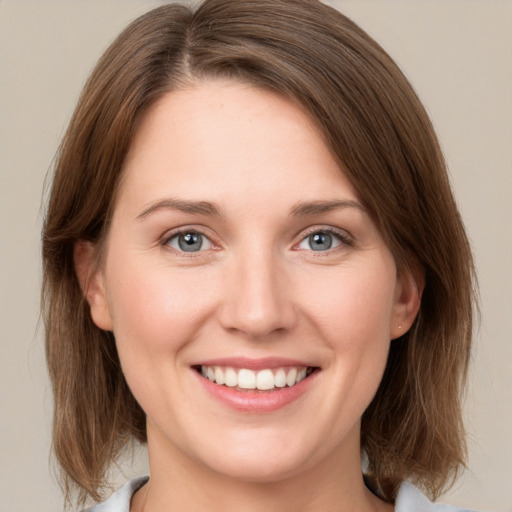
(155, 313)
(355, 308)
(354, 317)
(156, 310)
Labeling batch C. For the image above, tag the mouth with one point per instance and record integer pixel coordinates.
(262, 380)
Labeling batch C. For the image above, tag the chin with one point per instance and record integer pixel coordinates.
(260, 457)
(258, 470)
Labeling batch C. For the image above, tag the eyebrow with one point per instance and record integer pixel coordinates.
(300, 209)
(318, 207)
(197, 207)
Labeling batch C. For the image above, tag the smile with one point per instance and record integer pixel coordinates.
(263, 380)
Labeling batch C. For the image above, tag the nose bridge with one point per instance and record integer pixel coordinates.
(257, 301)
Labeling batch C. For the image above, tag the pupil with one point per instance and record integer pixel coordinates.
(320, 241)
(190, 242)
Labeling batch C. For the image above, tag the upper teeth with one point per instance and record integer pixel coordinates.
(249, 379)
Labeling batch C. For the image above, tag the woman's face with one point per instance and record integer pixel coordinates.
(240, 256)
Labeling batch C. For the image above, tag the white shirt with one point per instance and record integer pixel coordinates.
(409, 499)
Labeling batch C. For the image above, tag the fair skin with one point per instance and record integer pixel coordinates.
(237, 244)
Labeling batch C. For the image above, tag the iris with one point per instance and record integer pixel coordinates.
(320, 241)
(190, 242)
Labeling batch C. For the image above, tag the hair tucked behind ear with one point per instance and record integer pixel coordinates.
(375, 127)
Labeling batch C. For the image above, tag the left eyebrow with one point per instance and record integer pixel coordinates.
(319, 207)
(194, 207)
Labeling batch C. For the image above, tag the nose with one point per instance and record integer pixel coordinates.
(257, 297)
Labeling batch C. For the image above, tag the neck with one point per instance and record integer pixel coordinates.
(333, 485)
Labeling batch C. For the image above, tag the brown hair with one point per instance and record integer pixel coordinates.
(373, 123)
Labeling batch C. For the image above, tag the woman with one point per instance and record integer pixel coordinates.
(255, 265)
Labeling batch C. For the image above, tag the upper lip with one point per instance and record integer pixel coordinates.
(252, 363)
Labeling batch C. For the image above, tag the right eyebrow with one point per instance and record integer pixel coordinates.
(196, 207)
(320, 207)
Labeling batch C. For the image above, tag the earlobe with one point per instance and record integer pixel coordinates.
(91, 281)
(410, 285)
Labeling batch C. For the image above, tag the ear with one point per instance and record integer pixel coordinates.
(92, 282)
(409, 289)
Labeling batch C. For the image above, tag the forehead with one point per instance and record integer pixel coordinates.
(217, 135)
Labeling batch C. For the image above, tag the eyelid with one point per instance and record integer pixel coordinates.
(346, 239)
(173, 233)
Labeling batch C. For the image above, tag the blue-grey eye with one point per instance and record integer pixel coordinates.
(320, 241)
(189, 241)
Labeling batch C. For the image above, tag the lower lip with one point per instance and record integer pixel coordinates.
(257, 402)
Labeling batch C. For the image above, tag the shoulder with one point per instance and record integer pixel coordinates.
(120, 500)
(410, 499)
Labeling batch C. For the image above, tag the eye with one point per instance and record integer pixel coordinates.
(189, 241)
(322, 240)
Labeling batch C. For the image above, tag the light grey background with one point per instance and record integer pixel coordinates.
(457, 53)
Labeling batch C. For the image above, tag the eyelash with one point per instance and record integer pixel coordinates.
(345, 240)
(168, 237)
